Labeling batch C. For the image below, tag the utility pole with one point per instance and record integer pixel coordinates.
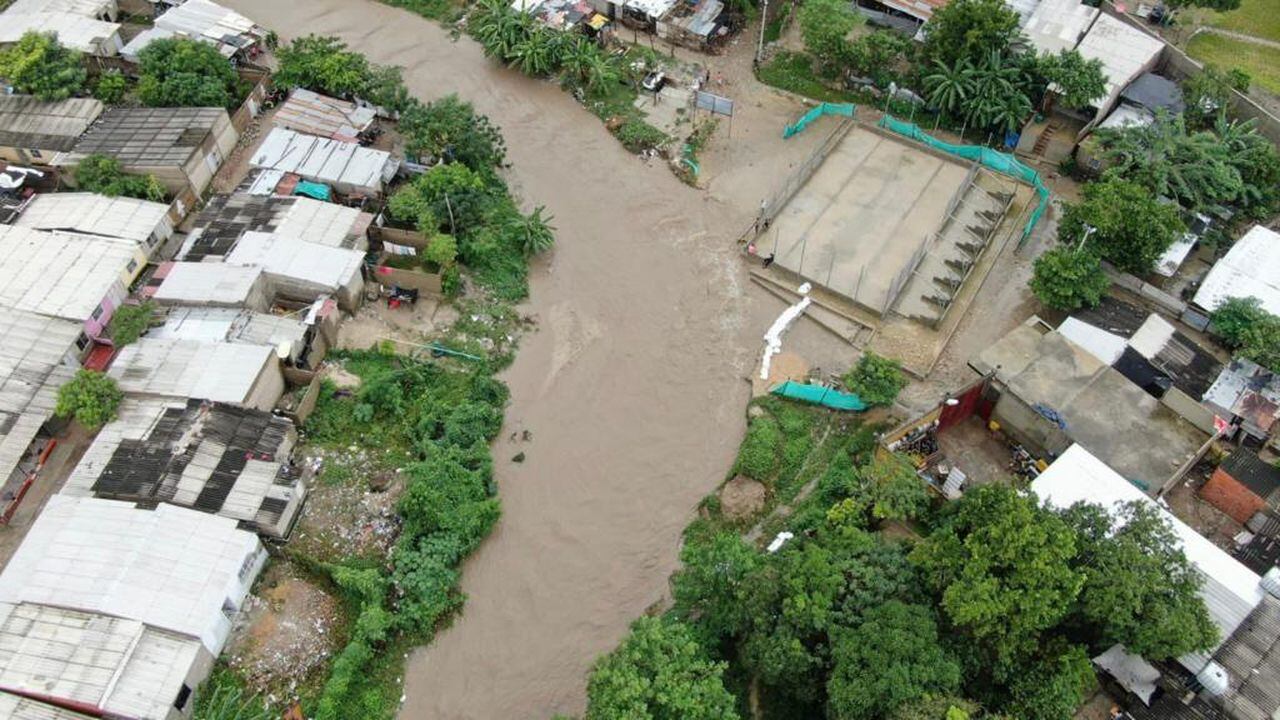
(764, 22)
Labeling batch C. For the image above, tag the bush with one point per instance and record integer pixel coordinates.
(90, 397)
(39, 65)
(179, 72)
(1067, 280)
(104, 175)
(637, 135)
(129, 323)
(877, 380)
(1131, 228)
(110, 87)
(1250, 330)
(758, 456)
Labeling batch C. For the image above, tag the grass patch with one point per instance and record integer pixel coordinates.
(1259, 18)
(793, 72)
(1261, 62)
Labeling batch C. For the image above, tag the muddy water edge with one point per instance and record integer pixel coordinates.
(630, 387)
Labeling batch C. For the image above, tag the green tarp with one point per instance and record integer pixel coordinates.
(845, 109)
(818, 395)
(313, 190)
(994, 159)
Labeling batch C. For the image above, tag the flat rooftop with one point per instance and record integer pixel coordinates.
(861, 217)
(150, 137)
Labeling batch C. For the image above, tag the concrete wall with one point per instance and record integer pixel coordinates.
(1189, 409)
(268, 388)
(1031, 429)
(411, 279)
(1225, 493)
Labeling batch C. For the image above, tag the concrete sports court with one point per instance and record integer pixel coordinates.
(862, 223)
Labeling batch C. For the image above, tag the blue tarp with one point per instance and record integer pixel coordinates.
(315, 190)
(818, 395)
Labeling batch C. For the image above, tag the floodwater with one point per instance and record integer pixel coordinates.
(631, 386)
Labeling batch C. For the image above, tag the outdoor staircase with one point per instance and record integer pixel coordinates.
(1042, 142)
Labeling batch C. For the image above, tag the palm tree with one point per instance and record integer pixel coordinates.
(535, 232)
(601, 74)
(534, 55)
(947, 87)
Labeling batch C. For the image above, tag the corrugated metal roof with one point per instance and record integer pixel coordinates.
(346, 166)
(20, 708)
(1057, 25)
(129, 219)
(214, 324)
(292, 259)
(85, 8)
(315, 114)
(58, 274)
(117, 664)
(77, 32)
(325, 223)
(1251, 268)
(34, 363)
(201, 18)
(210, 457)
(1230, 591)
(28, 122)
(209, 284)
(1251, 657)
(222, 372)
(150, 137)
(1124, 50)
(171, 568)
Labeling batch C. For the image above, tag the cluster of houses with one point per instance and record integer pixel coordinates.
(1120, 404)
(126, 586)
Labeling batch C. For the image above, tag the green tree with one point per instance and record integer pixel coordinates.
(876, 54)
(970, 29)
(39, 65)
(938, 707)
(825, 26)
(1139, 589)
(1001, 568)
(948, 85)
(712, 586)
(450, 129)
(104, 175)
(1251, 331)
(875, 379)
(535, 231)
(1053, 687)
(90, 397)
(1066, 279)
(891, 657)
(660, 672)
(180, 72)
(1206, 94)
(1078, 82)
(1131, 228)
(129, 322)
(323, 64)
(110, 87)
(442, 251)
(894, 489)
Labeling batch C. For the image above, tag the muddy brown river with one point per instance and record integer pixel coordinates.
(631, 385)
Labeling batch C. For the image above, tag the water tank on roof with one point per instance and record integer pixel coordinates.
(1214, 679)
(1271, 582)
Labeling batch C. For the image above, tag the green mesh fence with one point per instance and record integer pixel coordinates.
(845, 109)
(1000, 162)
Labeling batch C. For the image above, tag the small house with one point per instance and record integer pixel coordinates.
(346, 167)
(230, 461)
(302, 271)
(34, 131)
(1242, 485)
(226, 218)
(182, 147)
(300, 340)
(323, 116)
(1251, 268)
(135, 222)
(235, 35)
(244, 375)
(81, 33)
(209, 285)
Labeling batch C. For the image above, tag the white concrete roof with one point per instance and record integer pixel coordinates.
(74, 31)
(209, 283)
(1251, 268)
(216, 324)
(123, 218)
(1125, 52)
(86, 8)
(116, 664)
(58, 274)
(1169, 262)
(346, 166)
(1106, 346)
(1057, 25)
(222, 372)
(294, 259)
(1230, 591)
(171, 568)
(1152, 337)
(34, 362)
(323, 223)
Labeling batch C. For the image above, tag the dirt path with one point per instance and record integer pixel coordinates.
(1242, 37)
(631, 387)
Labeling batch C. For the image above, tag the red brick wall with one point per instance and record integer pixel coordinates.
(1223, 492)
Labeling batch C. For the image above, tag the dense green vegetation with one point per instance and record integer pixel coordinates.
(104, 174)
(1067, 279)
(129, 322)
(1254, 333)
(990, 609)
(875, 379)
(90, 397)
(1125, 224)
(179, 72)
(40, 65)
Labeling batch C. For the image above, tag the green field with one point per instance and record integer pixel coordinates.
(1260, 61)
(1259, 18)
